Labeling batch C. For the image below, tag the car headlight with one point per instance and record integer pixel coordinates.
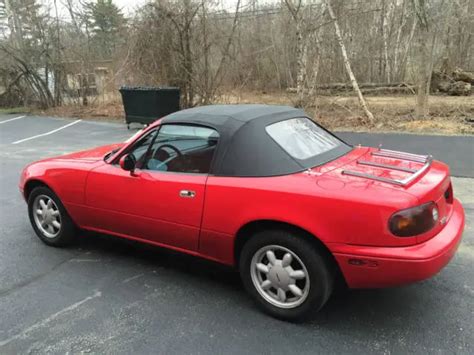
(414, 221)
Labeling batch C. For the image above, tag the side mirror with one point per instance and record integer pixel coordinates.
(128, 162)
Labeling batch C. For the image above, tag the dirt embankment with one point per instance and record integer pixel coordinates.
(448, 114)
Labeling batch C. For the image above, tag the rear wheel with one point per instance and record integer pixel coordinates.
(285, 274)
(49, 218)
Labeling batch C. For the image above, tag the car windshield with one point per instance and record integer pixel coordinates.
(301, 138)
(131, 138)
(135, 135)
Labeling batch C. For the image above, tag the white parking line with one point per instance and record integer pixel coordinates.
(47, 133)
(12, 119)
(24, 333)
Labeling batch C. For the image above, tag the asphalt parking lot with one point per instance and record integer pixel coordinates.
(107, 295)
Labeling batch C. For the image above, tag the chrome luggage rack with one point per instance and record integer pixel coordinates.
(422, 159)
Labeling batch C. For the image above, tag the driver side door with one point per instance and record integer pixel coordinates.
(162, 200)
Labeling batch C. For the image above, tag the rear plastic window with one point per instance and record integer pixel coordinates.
(301, 138)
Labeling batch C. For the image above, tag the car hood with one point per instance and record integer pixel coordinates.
(89, 155)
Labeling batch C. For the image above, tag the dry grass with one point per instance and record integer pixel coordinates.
(448, 114)
(110, 111)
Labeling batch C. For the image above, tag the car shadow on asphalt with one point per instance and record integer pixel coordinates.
(157, 257)
(365, 308)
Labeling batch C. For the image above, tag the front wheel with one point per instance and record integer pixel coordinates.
(285, 274)
(49, 218)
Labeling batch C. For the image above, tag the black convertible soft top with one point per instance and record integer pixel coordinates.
(244, 147)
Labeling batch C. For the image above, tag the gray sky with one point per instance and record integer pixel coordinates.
(128, 6)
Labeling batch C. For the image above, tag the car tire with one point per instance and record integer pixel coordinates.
(270, 279)
(49, 218)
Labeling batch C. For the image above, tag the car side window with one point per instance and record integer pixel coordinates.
(140, 148)
(182, 148)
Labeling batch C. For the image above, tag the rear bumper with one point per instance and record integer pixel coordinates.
(372, 267)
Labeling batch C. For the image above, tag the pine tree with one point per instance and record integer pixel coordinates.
(106, 22)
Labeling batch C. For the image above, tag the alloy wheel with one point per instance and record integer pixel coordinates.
(280, 276)
(47, 216)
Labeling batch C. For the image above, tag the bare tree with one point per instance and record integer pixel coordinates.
(306, 18)
(430, 24)
(387, 11)
(347, 63)
(79, 49)
(209, 49)
(214, 81)
(296, 11)
(421, 59)
(201, 47)
(28, 48)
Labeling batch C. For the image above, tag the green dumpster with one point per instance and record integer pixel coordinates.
(147, 104)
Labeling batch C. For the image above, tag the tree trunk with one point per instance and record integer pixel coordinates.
(347, 64)
(56, 71)
(422, 88)
(395, 69)
(314, 77)
(218, 76)
(424, 57)
(205, 97)
(403, 61)
(385, 32)
(301, 58)
(188, 60)
(295, 10)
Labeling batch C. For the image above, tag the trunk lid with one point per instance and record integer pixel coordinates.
(388, 166)
(421, 176)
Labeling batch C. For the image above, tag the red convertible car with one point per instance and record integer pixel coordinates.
(262, 188)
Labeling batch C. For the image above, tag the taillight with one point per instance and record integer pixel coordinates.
(414, 221)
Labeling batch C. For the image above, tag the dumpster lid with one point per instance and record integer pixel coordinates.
(148, 88)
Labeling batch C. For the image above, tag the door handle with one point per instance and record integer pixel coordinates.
(187, 193)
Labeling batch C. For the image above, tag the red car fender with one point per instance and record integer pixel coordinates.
(67, 183)
(297, 200)
(65, 175)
